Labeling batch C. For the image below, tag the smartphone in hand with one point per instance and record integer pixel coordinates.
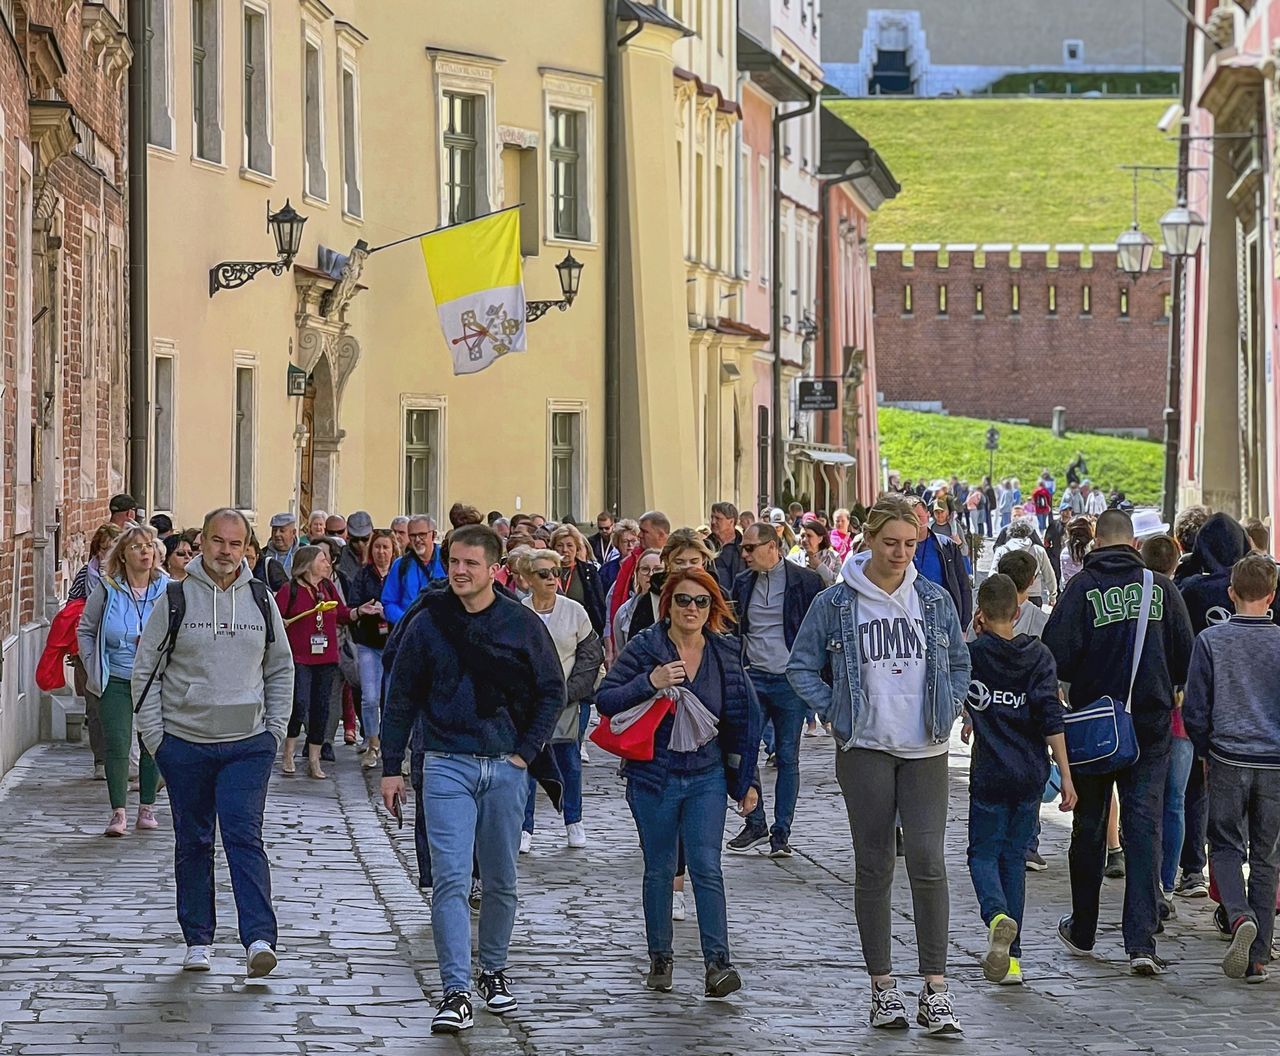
(399, 812)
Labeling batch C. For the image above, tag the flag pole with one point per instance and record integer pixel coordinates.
(444, 227)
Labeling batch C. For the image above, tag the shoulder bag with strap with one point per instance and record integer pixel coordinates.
(177, 600)
(1101, 738)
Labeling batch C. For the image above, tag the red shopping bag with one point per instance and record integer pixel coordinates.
(636, 741)
(61, 643)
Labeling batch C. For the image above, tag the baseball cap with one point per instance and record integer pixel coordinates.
(123, 503)
(283, 520)
(360, 524)
(776, 516)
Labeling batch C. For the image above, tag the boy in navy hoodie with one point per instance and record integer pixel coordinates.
(1014, 710)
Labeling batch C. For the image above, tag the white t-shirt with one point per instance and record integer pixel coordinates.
(569, 625)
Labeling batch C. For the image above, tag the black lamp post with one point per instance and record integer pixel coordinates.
(569, 271)
(286, 228)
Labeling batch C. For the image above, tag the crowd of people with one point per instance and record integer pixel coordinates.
(471, 665)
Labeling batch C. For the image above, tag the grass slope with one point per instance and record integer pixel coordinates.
(1014, 170)
(934, 445)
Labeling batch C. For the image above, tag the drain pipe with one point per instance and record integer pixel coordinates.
(139, 345)
(775, 266)
(613, 258)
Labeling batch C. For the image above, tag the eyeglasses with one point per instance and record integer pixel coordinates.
(702, 601)
(138, 548)
(545, 573)
(421, 535)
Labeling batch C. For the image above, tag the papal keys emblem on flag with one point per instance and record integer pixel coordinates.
(476, 278)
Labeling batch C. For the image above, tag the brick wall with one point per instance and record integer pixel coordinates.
(79, 345)
(1083, 352)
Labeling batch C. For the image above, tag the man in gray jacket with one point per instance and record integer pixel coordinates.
(213, 702)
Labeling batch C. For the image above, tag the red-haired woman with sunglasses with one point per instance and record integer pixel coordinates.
(679, 796)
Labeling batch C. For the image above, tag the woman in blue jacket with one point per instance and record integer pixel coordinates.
(679, 797)
(899, 671)
(117, 610)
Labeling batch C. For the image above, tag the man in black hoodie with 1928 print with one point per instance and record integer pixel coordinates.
(1092, 635)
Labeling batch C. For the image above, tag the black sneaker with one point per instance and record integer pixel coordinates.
(496, 992)
(1221, 923)
(1036, 864)
(1115, 865)
(453, 1014)
(779, 848)
(1165, 907)
(1147, 964)
(326, 753)
(1064, 937)
(1192, 885)
(722, 980)
(747, 840)
(473, 899)
(660, 972)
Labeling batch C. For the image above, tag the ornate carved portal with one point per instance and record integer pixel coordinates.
(328, 352)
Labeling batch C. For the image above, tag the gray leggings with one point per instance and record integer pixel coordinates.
(878, 787)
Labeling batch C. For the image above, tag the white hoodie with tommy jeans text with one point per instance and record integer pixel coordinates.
(891, 661)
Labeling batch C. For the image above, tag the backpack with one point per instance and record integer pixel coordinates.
(177, 600)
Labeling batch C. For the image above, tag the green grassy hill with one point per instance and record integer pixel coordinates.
(1014, 170)
(934, 445)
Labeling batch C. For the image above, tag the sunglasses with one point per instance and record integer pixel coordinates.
(702, 601)
(751, 548)
(546, 573)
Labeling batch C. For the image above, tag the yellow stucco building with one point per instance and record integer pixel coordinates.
(377, 123)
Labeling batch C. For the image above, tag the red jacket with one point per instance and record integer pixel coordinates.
(318, 625)
(1042, 500)
(61, 643)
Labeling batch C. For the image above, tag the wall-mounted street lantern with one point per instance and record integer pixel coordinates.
(286, 228)
(296, 381)
(569, 272)
(1183, 230)
(1134, 250)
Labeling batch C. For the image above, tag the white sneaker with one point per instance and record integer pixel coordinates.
(197, 959)
(888, 1007)
(575, 834)
(936, 1013)
(526, 842)
(678, 906)
(586, 757)
(261, 959)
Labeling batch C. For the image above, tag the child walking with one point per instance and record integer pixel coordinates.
(1232, 714)
(1013, 709)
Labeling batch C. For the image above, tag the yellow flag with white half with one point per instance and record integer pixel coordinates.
(476, 278)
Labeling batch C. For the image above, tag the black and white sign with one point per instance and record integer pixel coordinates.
(818, 396)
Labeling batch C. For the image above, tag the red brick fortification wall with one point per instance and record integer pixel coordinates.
(1011, 333)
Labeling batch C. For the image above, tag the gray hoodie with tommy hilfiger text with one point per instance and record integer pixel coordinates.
(223, 682)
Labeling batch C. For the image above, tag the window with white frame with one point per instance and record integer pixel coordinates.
(160, 56)
(257, 91)
(462, 156)
(352, 201)
(164, 392)
(317, 180)
(764, 216)
(23, 471)
(206, 80)
(745, 210)
(422, 447)
(89, 314)
(1073, 52)
(566, 477)
(243, 446)
(567, 198)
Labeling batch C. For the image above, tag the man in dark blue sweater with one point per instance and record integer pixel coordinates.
(484, 676)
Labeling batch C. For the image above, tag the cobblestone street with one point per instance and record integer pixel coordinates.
(89, 947)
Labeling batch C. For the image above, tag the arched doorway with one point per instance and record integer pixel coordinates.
(317, 477)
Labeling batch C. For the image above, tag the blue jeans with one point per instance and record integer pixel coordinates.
(783, 706)
(690, 812)
(999, 835)
(474, 806)
(569, 762)
(584, 719)
(1181, 756)
(370, 661)
(222, 785)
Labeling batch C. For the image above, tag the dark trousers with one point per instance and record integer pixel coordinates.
(1244, 822)
(1141, 788)
(999, 836)
(313, 686)
(1195, 812)
(222, 786)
